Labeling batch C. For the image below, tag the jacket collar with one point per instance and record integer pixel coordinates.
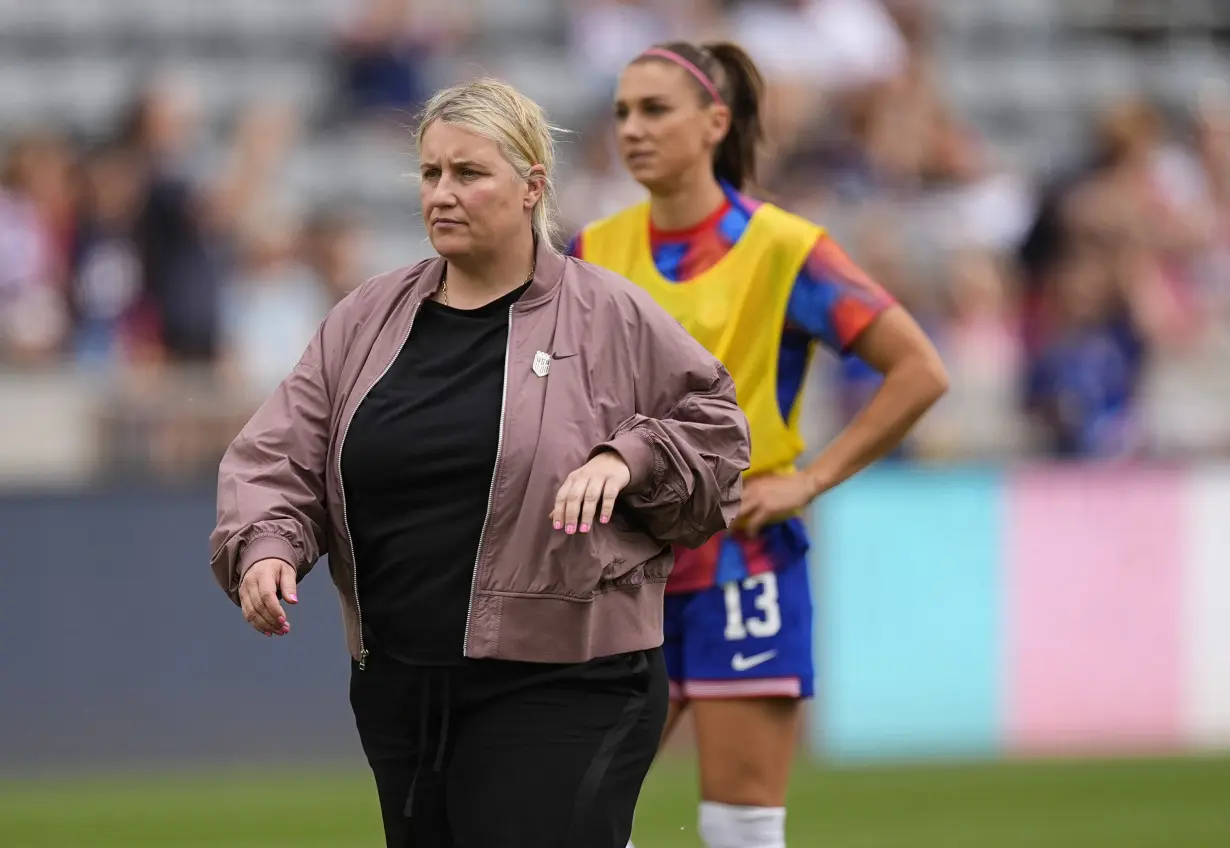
(548, 273)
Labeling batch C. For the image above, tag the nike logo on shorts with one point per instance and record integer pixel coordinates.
(741, 663)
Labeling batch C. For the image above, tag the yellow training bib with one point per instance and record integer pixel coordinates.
(736, 309)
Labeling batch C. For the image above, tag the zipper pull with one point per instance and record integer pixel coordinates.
(363, 660)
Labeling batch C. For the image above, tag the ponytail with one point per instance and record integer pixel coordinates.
(728, 69)
(743, 86)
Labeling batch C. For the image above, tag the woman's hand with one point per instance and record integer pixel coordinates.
(258, 595)
(772, 498)
(603, 477)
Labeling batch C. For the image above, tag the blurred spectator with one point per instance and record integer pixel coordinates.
(188, 222)
(1102, 299)
(980, 331)
(273, 307)
(1083, 382)
(113, 320)
(1196, 178)
(386, 51)
(980, 343)
(289, 278)
(35, 225)
(333, 245)
(1126, 210)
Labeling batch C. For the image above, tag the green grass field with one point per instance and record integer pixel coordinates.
(1119, 804)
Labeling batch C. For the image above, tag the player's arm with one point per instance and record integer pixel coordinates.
(914, 379)
(853, 314)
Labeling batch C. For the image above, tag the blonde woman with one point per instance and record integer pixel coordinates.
(497, 448)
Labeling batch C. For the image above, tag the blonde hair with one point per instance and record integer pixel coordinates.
(519, 126)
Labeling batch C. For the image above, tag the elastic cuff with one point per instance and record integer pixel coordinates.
(637, 454)
(270, 546)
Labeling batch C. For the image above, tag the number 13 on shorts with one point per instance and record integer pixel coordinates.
(762, 590)
(750, 638)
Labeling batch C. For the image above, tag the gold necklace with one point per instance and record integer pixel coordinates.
(444, 281)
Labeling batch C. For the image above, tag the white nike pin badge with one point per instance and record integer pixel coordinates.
(542, 363)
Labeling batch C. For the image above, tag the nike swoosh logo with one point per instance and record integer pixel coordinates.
(562, 355)
(741, 663)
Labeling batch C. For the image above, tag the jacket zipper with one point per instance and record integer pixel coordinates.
(354, 565)
(495, 472)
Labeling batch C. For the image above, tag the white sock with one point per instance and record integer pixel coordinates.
(727, 826)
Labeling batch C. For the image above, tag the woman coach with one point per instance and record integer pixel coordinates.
(497, 448)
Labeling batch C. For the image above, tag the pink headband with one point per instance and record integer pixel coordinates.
(701, 76)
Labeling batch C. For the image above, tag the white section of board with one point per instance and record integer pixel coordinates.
(1207, 610)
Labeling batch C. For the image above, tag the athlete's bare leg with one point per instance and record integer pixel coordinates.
(746, 749)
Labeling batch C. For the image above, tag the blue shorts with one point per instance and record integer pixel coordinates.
(747, 639)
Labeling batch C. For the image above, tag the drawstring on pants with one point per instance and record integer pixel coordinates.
(424, 710)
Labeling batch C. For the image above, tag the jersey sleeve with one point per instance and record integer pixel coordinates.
(833, 300)
(575, 248)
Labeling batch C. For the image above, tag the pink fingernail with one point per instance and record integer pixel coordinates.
(605, 519)
(281, 620)
(584, 528)
(570, 529)
(559, 525)
(294, 599)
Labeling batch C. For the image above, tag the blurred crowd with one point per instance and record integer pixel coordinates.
(1052, 294)
(125, 253)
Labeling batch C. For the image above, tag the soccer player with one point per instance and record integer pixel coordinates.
(759, 287)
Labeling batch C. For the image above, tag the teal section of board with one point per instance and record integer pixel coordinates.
(907, 576)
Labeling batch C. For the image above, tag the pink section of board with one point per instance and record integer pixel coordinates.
(1094, 595)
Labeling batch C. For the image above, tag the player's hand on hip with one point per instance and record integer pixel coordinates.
(773, 498)
(590, 492)
(259, 595)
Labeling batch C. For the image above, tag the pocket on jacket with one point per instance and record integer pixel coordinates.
(571, 567)
(625, 552)
(582, 565)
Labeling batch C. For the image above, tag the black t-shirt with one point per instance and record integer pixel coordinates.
(417, 467)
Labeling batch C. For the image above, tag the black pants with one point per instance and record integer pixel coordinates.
(514, 755)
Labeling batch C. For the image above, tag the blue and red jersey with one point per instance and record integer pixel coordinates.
(832, 302)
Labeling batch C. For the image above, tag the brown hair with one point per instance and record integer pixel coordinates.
(739, 82)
